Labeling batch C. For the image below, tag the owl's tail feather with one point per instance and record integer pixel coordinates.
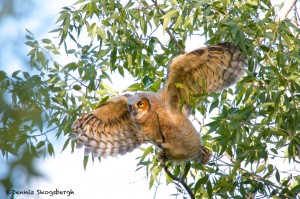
(204, 155)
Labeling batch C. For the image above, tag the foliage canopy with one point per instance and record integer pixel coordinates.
(254, 124)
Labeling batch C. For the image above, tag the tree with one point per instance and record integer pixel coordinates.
(254, 124)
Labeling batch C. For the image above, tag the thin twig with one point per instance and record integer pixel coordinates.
(285, 10)
(156, 188)
(80, 82)
(41, 134)
(161, 12)
(253, 175)
(296, 15)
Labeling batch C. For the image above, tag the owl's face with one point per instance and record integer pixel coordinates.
(139, 107)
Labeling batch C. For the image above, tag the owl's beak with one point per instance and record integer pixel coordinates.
(131, 110)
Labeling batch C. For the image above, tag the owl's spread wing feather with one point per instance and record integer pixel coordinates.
(108, 130)
(207, 69)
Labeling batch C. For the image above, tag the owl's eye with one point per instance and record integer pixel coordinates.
(141, 104)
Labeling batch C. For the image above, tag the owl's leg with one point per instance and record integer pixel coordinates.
(163, 145)
(166, 146)
(162, 156)
(159, 143)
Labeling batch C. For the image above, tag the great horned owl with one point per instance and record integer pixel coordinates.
(124, 123)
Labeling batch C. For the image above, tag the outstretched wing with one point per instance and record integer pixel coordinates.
(207, 69)
(108, 130)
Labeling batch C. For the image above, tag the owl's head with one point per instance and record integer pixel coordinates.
(139, 107)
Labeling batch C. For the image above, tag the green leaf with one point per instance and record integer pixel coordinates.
(200, 182)
(287, 39)
(166, 22)
(41, 57)
(77, 87)
(167, 18)
(50, 149)
(267, 104)
(260, 169)
(15, 74)
(236, 167)
(146, 153)
(46, 41)
(66, 144)
(63, 16)
(40, 144)
(93, 30)
(102, 34)
(31, 43)
(296, 190)
(155, 86)
(209, 188)
(56, 52)
(178, 22)
(230, 23)
(170, 14)
(29, 37)
(186, 170)
(113, 56)
(214, 105)
(3, 75)
(174, 2)
(134, 87)
(129, 59)
(277, 175)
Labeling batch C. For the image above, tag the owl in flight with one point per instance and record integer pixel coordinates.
(122, 124)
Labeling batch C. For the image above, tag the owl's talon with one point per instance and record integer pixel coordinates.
(162, 158)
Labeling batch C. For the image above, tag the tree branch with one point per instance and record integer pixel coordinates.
(253, 175)
(179, 181)
(285, 10)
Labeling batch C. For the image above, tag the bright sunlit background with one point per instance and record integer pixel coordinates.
(110, 179)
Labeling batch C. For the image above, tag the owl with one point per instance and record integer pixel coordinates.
(122, 124)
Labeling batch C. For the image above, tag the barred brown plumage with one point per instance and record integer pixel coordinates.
(207, 69)
(103, 134)
(124, 123)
